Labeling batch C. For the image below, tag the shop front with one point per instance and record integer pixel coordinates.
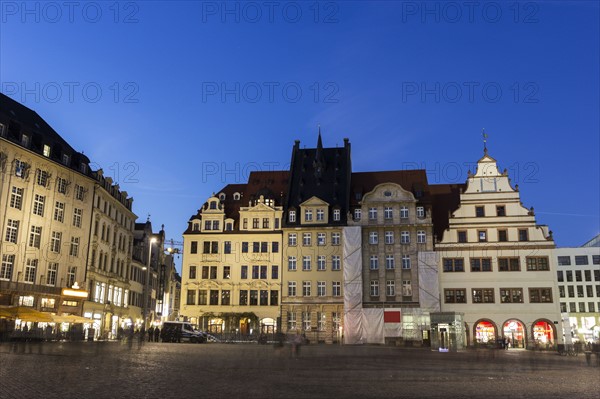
(544, 334)
(485, 333)
(514, 331)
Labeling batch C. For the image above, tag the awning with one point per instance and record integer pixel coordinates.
(72, 319)
(24, 313)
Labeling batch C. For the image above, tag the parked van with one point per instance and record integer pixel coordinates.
(178, 331)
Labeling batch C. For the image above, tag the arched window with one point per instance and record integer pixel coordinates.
(236, 196)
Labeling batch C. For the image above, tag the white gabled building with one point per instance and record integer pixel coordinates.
(497, 266)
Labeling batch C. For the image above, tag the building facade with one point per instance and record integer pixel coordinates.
(497, 267)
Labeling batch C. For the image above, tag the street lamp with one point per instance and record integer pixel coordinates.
(146, 289)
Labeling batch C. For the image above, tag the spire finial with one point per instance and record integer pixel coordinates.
(148, 219)
(319, 141)
(485, 136)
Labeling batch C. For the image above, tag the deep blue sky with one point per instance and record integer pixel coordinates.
(367, 71)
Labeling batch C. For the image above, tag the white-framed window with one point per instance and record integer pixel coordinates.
(292, 239)
(388, 214)
(77, 215)
(306, 288)
(357, 214)
(74, 250)
(336, 215)
(99, 292)
(373, 237)
(35, 236)
(321, 288)
(291, 288)
(12, 231)
(335, 238)
(291, 263)
(30, 269)
(336, 320)
(421, 237)
(321, 321)
(336, 288)
(46, 151)
(61, 185)
(26, 300)
(372, 213)
(306, 321)
(52, 272)
(406, 261)
(336, 263)
(306, 239)
(306, 262)
(291, 316)
(320, 215)
(321, 264)
(7, 267)
(16, 198)
(66, 159)
(403, 212)
(292, 216)
(390, 263)
(389, 237)
(373, 262)
(38, 204)
(406, 288)
(42, 178)
(374, 288)
(390, 288)
(321, 239)
(405, 237)
(59, 211)
(79, 192)
(421, 212)
(308, 216)
(55, 241)
(20, 168)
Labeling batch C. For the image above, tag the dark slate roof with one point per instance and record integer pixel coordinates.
(414, 181)
(320, 172)
(21, 120)
(446, 200)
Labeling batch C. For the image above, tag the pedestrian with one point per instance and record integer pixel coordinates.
(150, 334)
(156, 334)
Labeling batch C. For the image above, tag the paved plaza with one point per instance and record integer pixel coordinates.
(162, 370)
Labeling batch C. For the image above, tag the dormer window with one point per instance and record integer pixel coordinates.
(236, 196)
(46, 150)
(229, 226)
(320, 215)
(195, 227)
(212, 205)
(222, 196)
(420, 212)
(308, 216)
(25, 140)
(83, 168)
(292, 217)
(66, 159)
(2, 130)
(336, 215)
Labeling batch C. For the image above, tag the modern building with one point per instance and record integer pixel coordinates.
(231, 271)
(497, 267)
(46, 197)
(579, 290)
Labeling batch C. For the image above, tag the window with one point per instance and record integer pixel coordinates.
(320, 215)
(508, 265)
(306, 321)
(537, 263)
(564, 260)
(389, 237)
(8, 263)
(226, 272)
(523, 236)
(255, 272)
(500, 210)
(580, 291)
(55, 241)
(335, 238)
(20, 168)
(263, 272)
(462, 236)
(374, 262)
(306, 239)
(406, 288)
(481, 264)
(264, 247)
(38, 205)
(483, 295)
(321, 239)
(191, 297)
(596, 259)
(275, 247)
(214, 297)
(12, 230)
(502, 236)
(336, 215)
(357, 214)
(35, 236)
(274, 272)
(588, 275)
(336, 288)
(571, 291)
(420, 212)
(479, 211)
(306, 285)
(291, 263)
(511, 295)
(335, 262)
(337, 321)
(308, 217)
(291, 317)
(569, 275)
(16, 198)
(292, 239)
(225, 297)
(388, 213)
(321, 264)
(265, 223)
(292, 216)
(30, 269)
(26, 300)
(457, 295)
(291, 288)
(421, 237)
(482, 235)
(454, 264)
(227, 247)
(74, 249)
(390, 264)
(192, 272)
(306, 263)
(540, 295)
(42, 178)
(321, 289)
(213, 272)
(589, 291)
(255, 223)
(406, 262)
(210, 247)
(373, 238)
(79, 192)
(49, 303)
(560, 276)
(390, 288)
(274, 297)
(77, 215)
(374, 290)
(403, 212)
(194, 247)
(244, 272)
(581, 260)
(592, 307)
(71, 275)
(372, 213)
(405, 237)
